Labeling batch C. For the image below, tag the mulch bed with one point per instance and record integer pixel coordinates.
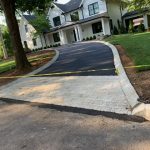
(140, 80)
(35, 65)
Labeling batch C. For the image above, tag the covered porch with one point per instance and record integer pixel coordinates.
(79, 31)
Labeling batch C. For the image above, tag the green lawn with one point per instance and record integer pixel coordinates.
(137, 47)
(7, 65)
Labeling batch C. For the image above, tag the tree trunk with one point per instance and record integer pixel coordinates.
(21, 60)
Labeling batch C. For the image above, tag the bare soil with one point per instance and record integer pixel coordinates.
(35, 65)
(140, 80)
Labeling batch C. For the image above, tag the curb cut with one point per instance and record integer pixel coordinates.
(35, 71)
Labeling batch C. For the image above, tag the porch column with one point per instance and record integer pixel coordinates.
(63, 37)
(145, 21)
(80, 32)
(77, 33)
(106, 26)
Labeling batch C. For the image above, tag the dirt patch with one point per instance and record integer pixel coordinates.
(140, 80)
(47, 56)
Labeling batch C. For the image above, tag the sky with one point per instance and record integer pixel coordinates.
(63, 1)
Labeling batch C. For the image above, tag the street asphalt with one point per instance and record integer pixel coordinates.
(84, 57)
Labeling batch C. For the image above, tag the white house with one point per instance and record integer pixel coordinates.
(77, 20)
(26, 33)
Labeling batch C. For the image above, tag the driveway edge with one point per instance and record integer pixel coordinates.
(138, 108)
(46, 65)
(35, 71)
(127, 87)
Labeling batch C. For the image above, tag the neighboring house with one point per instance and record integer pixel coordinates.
(79, 19)
(75, 21)
(138, 17)
(26, 32)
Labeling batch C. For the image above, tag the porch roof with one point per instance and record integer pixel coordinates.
(67, 24)
(136, 12)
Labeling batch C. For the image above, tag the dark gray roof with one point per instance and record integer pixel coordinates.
(29, 17)
(136, 12)
(70, 6)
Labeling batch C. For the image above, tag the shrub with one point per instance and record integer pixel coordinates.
(91, 38)
(94, 37)
(83, 39)
(141, 28)
(131, 27)
(115, 31)
(59, 44)
(87, 39)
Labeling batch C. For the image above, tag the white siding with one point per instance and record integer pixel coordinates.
(102, 6)
(114, 12)
(54, 12)
(28, 36)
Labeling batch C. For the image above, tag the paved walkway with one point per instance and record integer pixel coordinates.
(100, 91)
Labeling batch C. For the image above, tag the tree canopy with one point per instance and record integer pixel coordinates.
(138, 4)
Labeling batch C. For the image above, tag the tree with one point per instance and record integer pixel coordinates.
(41, 25)
(9, 7)
(138, 4)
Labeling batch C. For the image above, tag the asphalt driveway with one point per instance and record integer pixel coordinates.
(84, 57)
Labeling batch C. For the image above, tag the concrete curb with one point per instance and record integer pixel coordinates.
(35, 71)
(46, 65)
(138, 108)
(127, 87)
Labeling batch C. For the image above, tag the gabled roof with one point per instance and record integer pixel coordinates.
(29, 18)
(70, 6)
(136, 12)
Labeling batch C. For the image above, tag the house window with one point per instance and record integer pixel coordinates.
(93, 8)
(26, 28)
(56, 21)
(34, 42)
(97, 27)
(74, 16)
(25, 44)
(56, 37)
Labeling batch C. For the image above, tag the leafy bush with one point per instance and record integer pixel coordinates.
(141, 28)
(131, 27)
(115, 31)
(87, 39)
(94, 37)
(83, 39)
(91, 38)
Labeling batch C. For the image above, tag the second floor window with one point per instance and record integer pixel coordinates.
(93, 8)
(57, 21)
(74, 16)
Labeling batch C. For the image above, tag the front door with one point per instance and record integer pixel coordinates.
(75, 38)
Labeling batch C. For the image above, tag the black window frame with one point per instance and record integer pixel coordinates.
(57, 22)
(56, 37)
(34, 42)
(96, 29)
(93, 8)
(73, 15)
